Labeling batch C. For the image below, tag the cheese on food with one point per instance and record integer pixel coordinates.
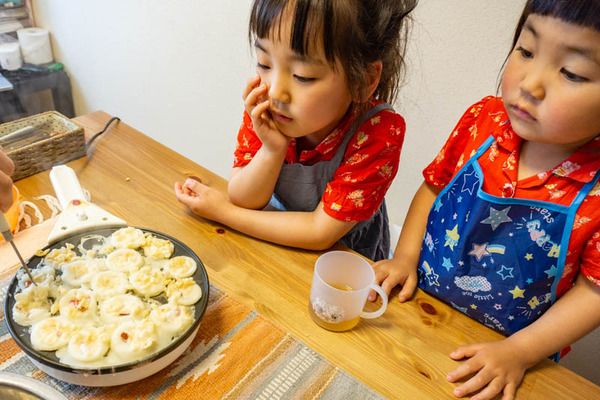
(121, 301)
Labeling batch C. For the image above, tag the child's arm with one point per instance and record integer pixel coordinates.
(252, 185)
(500, 366)
(309, 230)
(402, 268)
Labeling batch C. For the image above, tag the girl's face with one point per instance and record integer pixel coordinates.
(307, 97)
(551, 85)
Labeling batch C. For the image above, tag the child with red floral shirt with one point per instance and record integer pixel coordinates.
(318, 141)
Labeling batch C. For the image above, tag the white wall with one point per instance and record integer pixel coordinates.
(455, 55)
(175, 71)
(172, 69)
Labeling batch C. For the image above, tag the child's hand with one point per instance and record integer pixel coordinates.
(389, 273)
(496, 367)
(201, 199)
(257, 105)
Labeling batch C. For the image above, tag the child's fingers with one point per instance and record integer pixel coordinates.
(250, 85)
(180, 194)
(389, 283)
(380, 276)
(259, 113)
(257, 105)
(192, 184)
(381, 272)
(463, 352)
(192, 188)
(468, 367)
(6, 184)
(257, 95)
(6, 163)
(510, 390)
(480, 380)
(465, 369)
(182, 190)
(491, 390)
(408, 288)
(372, 295)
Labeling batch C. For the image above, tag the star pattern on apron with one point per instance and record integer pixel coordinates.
(500, 259)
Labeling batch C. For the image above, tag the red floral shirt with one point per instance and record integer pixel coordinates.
(366, 172)
(499, 164)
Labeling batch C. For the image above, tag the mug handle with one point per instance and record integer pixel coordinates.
(384, 303)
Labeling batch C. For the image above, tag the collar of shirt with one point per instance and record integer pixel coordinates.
(323, 151)
(328, 147)
(580, 166)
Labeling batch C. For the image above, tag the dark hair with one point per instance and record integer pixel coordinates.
(585, 13)
(355, 32)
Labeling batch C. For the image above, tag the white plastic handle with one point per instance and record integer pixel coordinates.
(384, 303)
(66, 185)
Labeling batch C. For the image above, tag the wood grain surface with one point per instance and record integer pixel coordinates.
(403, 354)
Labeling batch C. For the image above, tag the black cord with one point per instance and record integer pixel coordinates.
(89, 143)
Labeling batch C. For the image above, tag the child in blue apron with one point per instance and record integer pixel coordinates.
(506, 227)
(319, 144)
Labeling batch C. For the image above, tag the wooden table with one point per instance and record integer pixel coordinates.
(403, 354)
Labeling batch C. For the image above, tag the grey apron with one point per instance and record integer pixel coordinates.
(301, 187)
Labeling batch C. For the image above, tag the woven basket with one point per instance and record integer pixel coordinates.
(66, 143)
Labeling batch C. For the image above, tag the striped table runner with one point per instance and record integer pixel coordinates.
(237, 354)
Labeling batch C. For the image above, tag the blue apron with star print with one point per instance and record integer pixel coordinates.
(497, 260)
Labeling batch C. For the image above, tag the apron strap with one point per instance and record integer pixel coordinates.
(337, 158)
(484, 146)
(585, 190)
(564, 244)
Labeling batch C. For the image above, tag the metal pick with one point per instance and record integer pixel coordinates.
(8, 236)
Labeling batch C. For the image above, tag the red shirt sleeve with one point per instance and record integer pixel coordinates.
(459, 147)
(365, 174)
(248, 143)
(590, 259)
(368, 169)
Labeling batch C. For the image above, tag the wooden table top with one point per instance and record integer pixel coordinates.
(403, 354)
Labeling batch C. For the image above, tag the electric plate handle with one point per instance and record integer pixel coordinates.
(66, 185)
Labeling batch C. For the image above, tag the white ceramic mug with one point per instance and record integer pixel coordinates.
(340, 286)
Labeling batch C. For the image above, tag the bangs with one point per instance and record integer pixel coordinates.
(585, 13)
(308, 28)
